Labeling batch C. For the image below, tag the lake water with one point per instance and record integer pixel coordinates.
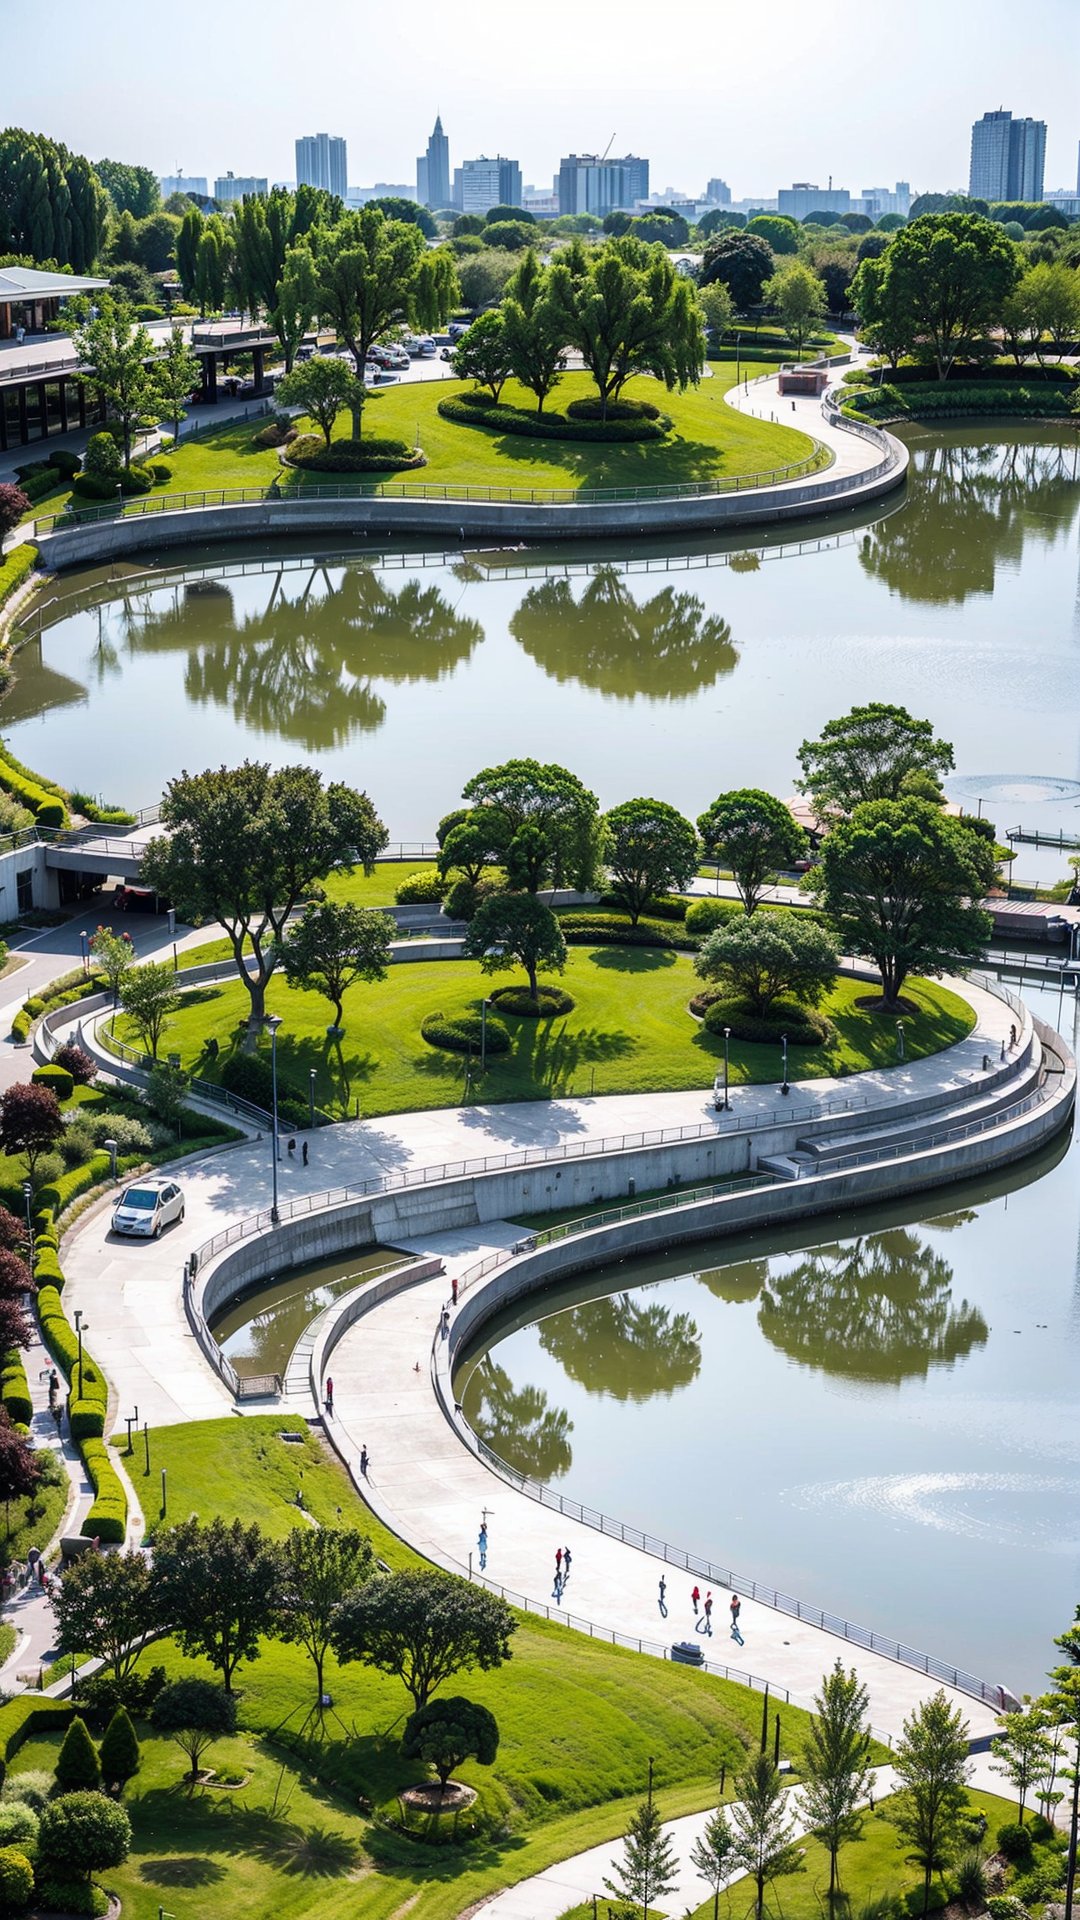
(677, 672)
(258, 1332)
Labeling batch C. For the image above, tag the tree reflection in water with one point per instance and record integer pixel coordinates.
(970, 508)
(303, 667)
(517, 1423)
(623, 1347)
(666, 648)
(877, 1309)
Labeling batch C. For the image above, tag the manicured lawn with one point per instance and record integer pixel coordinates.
(360, 889)
(630, 1031)
(578, 1722)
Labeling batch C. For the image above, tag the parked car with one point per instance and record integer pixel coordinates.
(148, 1206)
(457, 328)
(397, 357)
(426, 348)
(136, 899)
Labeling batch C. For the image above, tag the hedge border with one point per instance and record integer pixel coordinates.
(27, 1714)
(463, 412)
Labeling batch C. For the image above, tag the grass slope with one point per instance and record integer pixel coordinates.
(629, 1032)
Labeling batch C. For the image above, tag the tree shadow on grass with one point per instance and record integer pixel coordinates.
(183, 1870)
(315, 1853)
(633, 959)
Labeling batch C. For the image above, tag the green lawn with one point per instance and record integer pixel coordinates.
(578, 1723)
(360, 889)
(630, 1031)
(709, 438)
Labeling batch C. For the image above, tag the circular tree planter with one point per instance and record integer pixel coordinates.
(550, 1002)
(431, 1798)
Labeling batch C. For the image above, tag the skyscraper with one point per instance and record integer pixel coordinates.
(589, 184)
(489, 183)
(1007, 158)
(321, 161)
(433, 170)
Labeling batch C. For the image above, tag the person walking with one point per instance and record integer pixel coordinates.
(482, 1544)
(558, 1563)
(329, 1395)
(305, 1153)
(663, 1591)
(363, 1462)
(696, 1598)
(708, 1614)
(453, 1289)
(736, 1609)
(292, 1148)
(566, 1565)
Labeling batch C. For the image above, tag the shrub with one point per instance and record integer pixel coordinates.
(549, 1002)
(1015, 1842)
(131, 1135)
(16, 1879)
(120, 1756)
(81, 1832)
(461, 1033)
(277, 433)
(1005, 1906)
(107, 1518)
(971, 1880)
(103, 1695)
(590, 409)
(310, 451)
(76, 1061)
(15, 1390)
(18, 1826)
(77, 1763)
(250, 1077)
(160, 471)
(15, 569)
(38, 485)
(58, 1078)
(422, 889)
(64, 462)
(94, 486)
(803, 1028)
(668, 906)
(587, 928)
(137, 479)
(463, 411)
(464, 897)
(102, 458)
(14, 502)
(70, 1896)
(31, 1788)
(704, 916)
(762, 957)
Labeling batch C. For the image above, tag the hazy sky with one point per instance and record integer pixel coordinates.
(761, 96)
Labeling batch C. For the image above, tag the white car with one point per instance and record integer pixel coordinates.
(146, 1207)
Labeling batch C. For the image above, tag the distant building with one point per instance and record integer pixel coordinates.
(382, 190)
(542, 201)
(488, 183)
(193, 183)
(802, 198)
(1065, 200)
(321, 161)
(718, 193)
(878, 200)
(433, 170)
(589, 184)
(233, 186)
(1007, 158)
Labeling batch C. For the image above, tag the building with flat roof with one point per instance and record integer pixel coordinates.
(30, 298)
(802, 198)
(1007, 158)
(234, 186)
(718, 193)
(194, 183)
(589, 184)
(321, 161)
(488, 183)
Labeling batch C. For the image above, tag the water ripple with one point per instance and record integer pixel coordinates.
(960, 1504)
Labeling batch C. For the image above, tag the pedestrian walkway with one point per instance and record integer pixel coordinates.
(30, 1611)
(760, 397)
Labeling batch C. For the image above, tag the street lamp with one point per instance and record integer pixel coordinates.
(727, 1038)
(311, 1096)
(783, 1042)
(171, 918)
(274, 1022)
(112, 1148)
(28, 1195)
(900, 1040)
(79, 1328)
(483, 1035)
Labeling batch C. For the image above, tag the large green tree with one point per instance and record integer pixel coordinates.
(242, 847)
(534, 329)
(423, 1626)
(177, 372)
(625, 310)
(933, 1768)
(322, 387)
(117, 352)
(333, 945)
(836, 1774)
(367, 277)
(766, 956)
(446, 1732)
(321, 1567)
(193, 1712)
(104, 1607)
(799, 298)
(133, 189)
(743, 262)
(218, 1590)
(511, 927)
(951, 271)
(548, 809)
(650, 848)
(900, 881)
(869, 754)
(1023, 1750)
(483, 354)
(53, 208)
(148, 996)
(752, 834)
(886, 320)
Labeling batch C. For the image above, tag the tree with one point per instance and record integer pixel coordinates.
(193, 1713)
(117, 352)
(483, 354)
(931, 1761)
(119, 1753)
(15, 1276)
(80, 1834)
(799, 298)
(837, 1777)
(177, 372)
(1063, 1701)
(332, 946)
(423, 1626)
(397, 207)
(132, 189)
(148, 996)
(104, 1607)
(446, 1732)
(20, 1470)
(31, 1123)
(213, 257)
(1023, 1751)
(473, 842)
(752, 834)
(899, 881)
(218, 1590)
(648, 1869)
(742, 262)
(951, 271)
(764, 1830)
(166, 1093)
(13, 504)
(483, 275)
(767, 957)
(711, 1855)
(77, 1763)
(780, 232)
(244, 846)
(524, 793)
(626, 311)
(534, 329)
(322, 387)
(114, 956)
(294, 304)
(650, 849)
(1050, 302)
(366, 269)
(321, 1568)
(886, 319)
(511, 927)
(187, 250)
(867, 755)
(718, 310)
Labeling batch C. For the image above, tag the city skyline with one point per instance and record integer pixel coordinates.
(525, 97)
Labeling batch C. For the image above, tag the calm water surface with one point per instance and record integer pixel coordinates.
(259, 1332)
(673, 672)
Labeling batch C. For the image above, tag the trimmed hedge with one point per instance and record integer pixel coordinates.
(667, 906)
(39, 780)
(17, 567)
(98, 486)
(704, 916)
(590, 409)
(250, 1076)
(463, 1032)
(57, 1079)
(423, 889)
(101, 816)
(30, 1713)
(107, 1517)
(36, 485)
(918, 373)
(586, 929)
(936, 401)
(310, 452)
(478, 410)
(549, 1002)
(15, 1389)
(802, 1027)
(46, 805)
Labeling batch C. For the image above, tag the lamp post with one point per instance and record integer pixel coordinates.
(646, 1890)
(28, 1195)
(783, 1043)
(483, 1035)
(727, 1038)
(112, 1148)
(171, 918)
(738, 359)
(311, 1096)
(79, 1330)
(274, 1022)
(84, 942)
(900, 1040)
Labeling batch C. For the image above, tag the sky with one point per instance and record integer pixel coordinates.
(759, 96)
